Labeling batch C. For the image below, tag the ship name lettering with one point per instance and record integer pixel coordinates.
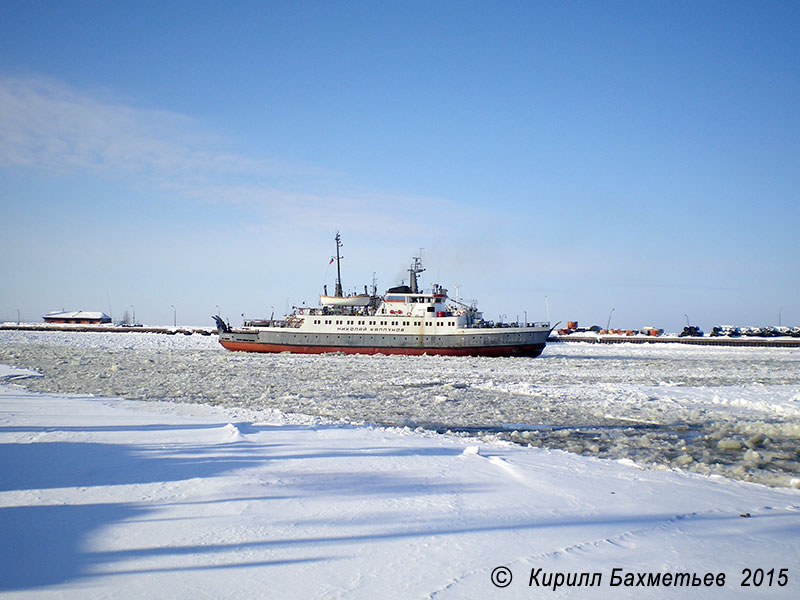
(372, 329)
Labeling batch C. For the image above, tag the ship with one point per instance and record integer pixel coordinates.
(405, 320)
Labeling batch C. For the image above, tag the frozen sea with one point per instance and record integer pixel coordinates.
(728, 411)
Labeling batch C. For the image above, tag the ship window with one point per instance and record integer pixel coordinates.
(327, 321)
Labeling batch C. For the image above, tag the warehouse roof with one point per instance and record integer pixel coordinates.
(78, 314)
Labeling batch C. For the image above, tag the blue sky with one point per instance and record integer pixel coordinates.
(636, 156)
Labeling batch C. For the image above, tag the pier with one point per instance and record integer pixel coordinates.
(107, 328)
(745, 342)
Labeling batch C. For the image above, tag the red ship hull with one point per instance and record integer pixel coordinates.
(515, 350)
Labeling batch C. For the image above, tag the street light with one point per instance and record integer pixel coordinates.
(608, 324)
(174, 316)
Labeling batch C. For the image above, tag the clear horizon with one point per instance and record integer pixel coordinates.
(636, 160)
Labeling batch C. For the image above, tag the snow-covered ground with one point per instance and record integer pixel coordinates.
(112, 498)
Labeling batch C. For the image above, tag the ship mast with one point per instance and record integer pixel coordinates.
(416, 267)
(338, 267)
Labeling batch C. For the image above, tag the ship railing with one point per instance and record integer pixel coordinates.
(501, 325)
(264, 323)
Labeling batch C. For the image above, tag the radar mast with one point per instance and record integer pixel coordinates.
(338, 292)
(416, 267)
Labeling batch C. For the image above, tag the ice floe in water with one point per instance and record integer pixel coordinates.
(728, 411)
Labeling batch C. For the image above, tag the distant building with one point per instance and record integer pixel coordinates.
(78, 316)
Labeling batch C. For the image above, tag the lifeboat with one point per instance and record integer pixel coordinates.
(357, 300)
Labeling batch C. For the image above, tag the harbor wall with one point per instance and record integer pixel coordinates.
(107, 328)
(783, 342)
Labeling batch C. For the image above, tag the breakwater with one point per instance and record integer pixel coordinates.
(107, 328)
(752, 342)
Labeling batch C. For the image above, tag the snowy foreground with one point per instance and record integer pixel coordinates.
(105, 497)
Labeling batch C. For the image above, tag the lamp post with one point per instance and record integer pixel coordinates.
(174, 316)
(608, 324)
